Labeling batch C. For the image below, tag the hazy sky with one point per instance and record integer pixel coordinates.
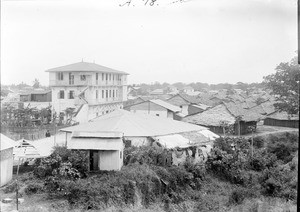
(212, 41)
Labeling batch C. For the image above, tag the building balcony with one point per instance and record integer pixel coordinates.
(58, 83)
(104, 101)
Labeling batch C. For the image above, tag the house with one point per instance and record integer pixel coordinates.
(104, 149)
(156, 107)
(183, 101)
(36, 96)
(91, 89)
(282, 119)
(137, 129)
(214, 118)
(197, 108)
(6, 156)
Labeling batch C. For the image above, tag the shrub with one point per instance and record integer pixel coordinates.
(258, 142)
(283, 146)
(237, 196)
(62, 160)
(33, 188)
(207, 204)
(11, 187)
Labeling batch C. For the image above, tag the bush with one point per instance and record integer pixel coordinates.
(283, 146)
(206, 204)
(33, 188)
(258, 142)
(57, 162)
(11, 187)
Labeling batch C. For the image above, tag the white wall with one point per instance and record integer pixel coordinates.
(184, 109)
(110, 160)
(6, 166)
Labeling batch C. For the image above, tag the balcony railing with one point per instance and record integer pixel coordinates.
(84, 83)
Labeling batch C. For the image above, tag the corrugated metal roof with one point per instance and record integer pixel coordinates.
(166, 105)
(6, 142)
(134, 124)
(85, 66)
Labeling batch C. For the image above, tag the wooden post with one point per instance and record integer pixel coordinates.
(17, 186)
(252, 145)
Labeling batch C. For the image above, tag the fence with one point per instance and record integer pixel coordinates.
(29, 133)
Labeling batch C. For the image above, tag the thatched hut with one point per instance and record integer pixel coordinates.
(282, 119)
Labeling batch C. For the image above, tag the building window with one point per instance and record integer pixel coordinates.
(102, 76)
(121, 155)
(109, 93)
(82, 77)
(106, 93)
(157, 114)
(113, 77)
(113, 93)
(109, 77)
(61, 95)
(96, 94)
(60, 76)
(71, 79)
(71, 95)
(102, 94)
(97, 78)
(106, 77)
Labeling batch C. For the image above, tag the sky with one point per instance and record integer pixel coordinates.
(208, 41)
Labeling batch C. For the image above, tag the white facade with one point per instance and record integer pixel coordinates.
(100, 91)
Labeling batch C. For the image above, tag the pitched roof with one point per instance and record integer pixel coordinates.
(282, 116)
(268, 106)
(6, 142)
(85, 66)
(134, 125)
(238, 111)
(188, 98)
(166, 105)
(211, 117)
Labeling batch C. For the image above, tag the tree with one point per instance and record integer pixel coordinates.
(285, 85)
(36, 83)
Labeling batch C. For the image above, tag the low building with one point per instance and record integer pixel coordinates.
(104, 149)
(6, 157)
(137, 129)
(225, 114)
(156, 107)
(183, 101)
(282, 119)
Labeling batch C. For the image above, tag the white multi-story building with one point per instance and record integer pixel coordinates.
(89, 88)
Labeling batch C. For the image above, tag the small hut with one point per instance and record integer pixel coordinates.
(105, 149)
(282, 119)
(6, 163)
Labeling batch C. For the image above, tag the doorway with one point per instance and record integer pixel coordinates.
(94, 160)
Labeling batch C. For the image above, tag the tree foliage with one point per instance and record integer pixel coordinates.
(285, 85)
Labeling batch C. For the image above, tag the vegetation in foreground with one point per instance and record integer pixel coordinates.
(234, 176)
